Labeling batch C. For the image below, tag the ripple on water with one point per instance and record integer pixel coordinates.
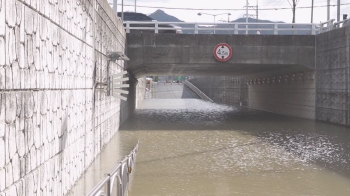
(186, 144)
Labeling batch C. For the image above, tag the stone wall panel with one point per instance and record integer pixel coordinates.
(10, 46)
(17, 42)
(22, 57)
(8, 78)
(2, 51)
(28, 22)
(2, 179)
(15, 167)
(2, 152)
(28, 130)
(29, 185)
(16, 75)
(19, 8)
(8, 170)
(20, 141)
(2, 114)
(20, 187)
(11, 191)
(2, 18)
(10, 107)
(11, 13)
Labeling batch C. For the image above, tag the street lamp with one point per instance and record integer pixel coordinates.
(214, 15)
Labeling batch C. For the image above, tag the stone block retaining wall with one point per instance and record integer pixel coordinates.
(333, 76)
(290, 94)
(53, 123)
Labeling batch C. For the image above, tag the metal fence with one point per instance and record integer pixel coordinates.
(116, 182)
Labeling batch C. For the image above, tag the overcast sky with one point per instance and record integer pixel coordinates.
(303, 15)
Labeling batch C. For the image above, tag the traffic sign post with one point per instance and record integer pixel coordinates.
(222, 52)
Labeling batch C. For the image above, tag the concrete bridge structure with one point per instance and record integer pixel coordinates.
(55, 120)
(298, 75)
(192, 54)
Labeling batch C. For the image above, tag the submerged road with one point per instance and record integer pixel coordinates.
(193, 147)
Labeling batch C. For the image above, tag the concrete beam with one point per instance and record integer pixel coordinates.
(183, 54)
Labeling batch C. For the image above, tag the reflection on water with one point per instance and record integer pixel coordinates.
(192, 147)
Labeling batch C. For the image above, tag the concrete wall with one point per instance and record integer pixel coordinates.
(292, 94)
(186, 54)
(52, 122)
(332, 76)
(322, 94)
(224, 89)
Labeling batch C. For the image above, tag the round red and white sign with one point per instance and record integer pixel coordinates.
(222, 52)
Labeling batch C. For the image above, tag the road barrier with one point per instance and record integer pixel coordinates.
(116, 182)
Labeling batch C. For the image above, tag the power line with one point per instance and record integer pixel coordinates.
(238, 9)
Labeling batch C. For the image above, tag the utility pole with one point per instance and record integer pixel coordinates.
(122, 10)
(294, 5)
(115, 6)
(135, 6)
(312, 11)
(328, 9)
(257, 11)
(256, 8)
(338, 11)
(246, 18)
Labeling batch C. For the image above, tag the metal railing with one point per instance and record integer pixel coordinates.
(341, 24)
(224, 28)
(197, 91)
(120, 174)
(326, 26)
(330, 25)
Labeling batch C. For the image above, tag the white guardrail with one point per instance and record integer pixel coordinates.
(236, 28)
(329, 25)
(120, 175)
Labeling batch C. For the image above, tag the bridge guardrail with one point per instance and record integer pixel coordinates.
(326, 26)
(234, 28)
(197, 91)
(120, 174)
(330, 25)
(341, 24)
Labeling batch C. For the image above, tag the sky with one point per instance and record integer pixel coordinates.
(303, 15)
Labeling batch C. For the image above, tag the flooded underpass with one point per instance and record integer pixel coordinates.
(193, 147)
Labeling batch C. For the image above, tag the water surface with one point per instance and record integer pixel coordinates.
(193, 147)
